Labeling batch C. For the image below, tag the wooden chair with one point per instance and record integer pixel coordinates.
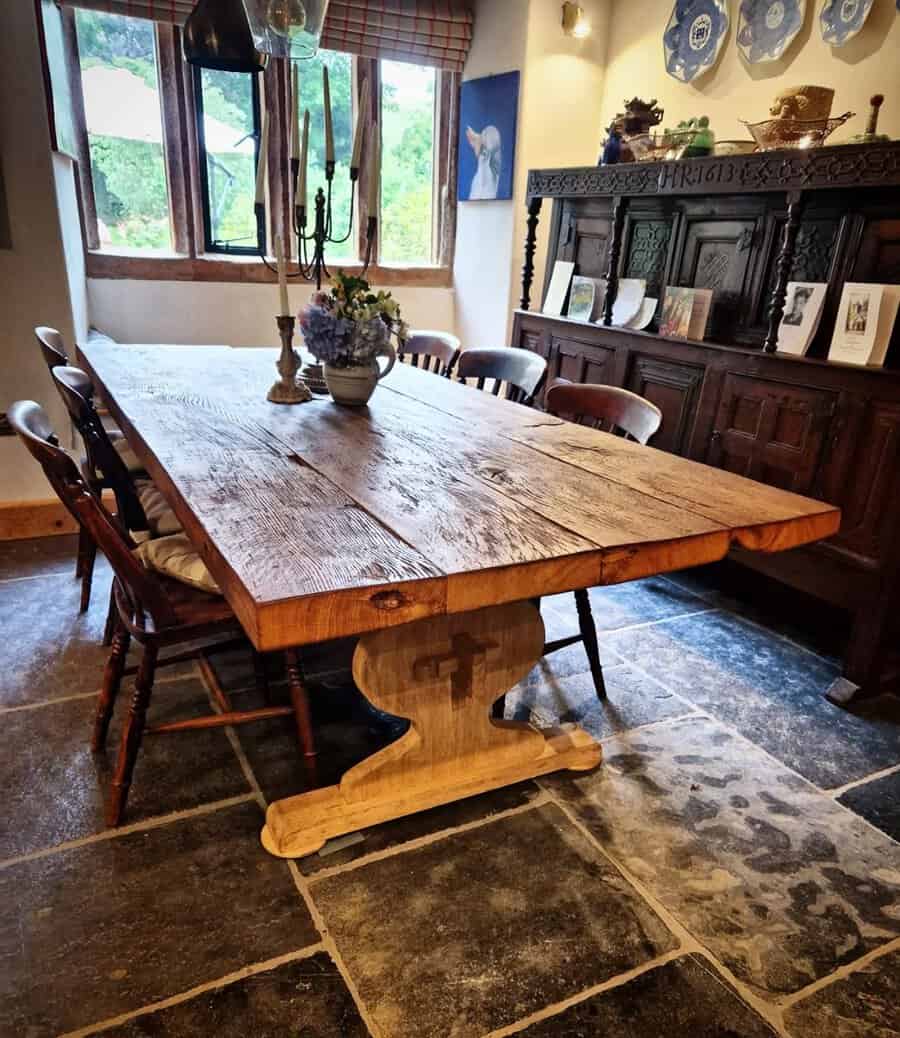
(521, 370)
(53, 350)
(432, 351)
(609, 408)
(618, 411)
(158, 610)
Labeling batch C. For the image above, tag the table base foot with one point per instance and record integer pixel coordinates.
(302, 824)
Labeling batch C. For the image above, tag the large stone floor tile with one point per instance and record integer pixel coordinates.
(48, 649)
(306, 998)
(632, 700)
(38, 555)
(480, 929)
(683, 999)
(95, 931)
(866, 1004)
(778, 881)
(771, 691)
(54, 788)
(878, 801)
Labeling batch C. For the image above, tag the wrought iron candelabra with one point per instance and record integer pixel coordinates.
(311, 264)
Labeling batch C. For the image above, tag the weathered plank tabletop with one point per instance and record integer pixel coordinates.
(433, 502)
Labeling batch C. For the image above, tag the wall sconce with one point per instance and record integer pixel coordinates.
(574, 22)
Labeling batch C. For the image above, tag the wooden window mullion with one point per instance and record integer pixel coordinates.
(367, 68)
(447, 128)
(176, 136)
(89, 227)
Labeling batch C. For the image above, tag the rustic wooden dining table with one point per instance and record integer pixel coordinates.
(427, 523)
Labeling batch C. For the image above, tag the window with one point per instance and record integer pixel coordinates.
(171, 154)
(120, 82)
(407, 166)
(227, 136)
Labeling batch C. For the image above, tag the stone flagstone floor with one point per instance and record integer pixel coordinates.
(732, 870)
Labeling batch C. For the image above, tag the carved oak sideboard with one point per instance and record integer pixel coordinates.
(744, 226)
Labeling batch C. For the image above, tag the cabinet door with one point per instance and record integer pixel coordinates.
(772, 431)
(869, 496)
(673, 388)
(579, 361)
(719, 253)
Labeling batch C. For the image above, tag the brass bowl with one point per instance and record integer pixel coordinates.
(774, 134)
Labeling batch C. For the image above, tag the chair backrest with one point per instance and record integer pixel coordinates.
(521, 370)
(605, 407)
(432, 351)
(52, 346)
(77, 391)
(144, 591)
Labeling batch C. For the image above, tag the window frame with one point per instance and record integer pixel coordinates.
(193, 258)
(210, 246)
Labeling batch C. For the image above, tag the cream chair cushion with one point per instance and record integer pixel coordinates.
(132, 462)
(176, 557)
(160, 517)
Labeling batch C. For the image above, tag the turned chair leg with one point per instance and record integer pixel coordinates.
(589, 637)
(300, 702)
(84, 568)
(112, 681)
(498, 710)
(111, 617)
(131, 737)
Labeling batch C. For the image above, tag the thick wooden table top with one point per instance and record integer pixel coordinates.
(320, 521)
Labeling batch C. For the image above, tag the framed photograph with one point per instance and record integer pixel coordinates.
(676, 312)
(488, 112)
(802, 314)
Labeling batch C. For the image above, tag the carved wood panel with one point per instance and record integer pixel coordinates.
(878, 259)
(646, 250)
(870, 497)
(718, 253)
(772, 431)
(674, 389)
(578, 361)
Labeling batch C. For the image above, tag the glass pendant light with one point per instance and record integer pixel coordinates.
(286, 28)
(216, 35)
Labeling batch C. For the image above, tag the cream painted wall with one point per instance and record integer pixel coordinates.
(34, 286)
(563, 87)
(559, 124)
(240, 315)
(484, 230)
(866, 65)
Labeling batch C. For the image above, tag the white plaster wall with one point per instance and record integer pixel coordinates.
(234, 314)
(34, 286)
(868, 64)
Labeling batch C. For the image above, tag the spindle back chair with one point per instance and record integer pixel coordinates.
(432, 351)
(158, 611)
(609, 408)
(521, 370)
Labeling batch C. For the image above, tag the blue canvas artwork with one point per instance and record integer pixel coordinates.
(487, 137)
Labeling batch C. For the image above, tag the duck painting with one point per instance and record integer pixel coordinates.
(487, 137)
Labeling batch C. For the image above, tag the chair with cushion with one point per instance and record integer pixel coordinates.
(53, 350)
(620, 412)
(432, 351)
(521, 370)
(140, 506)
(164, 597)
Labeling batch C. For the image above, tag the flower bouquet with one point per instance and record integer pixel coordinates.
(347, 330)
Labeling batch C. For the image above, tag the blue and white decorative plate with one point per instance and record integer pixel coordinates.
(766, 27)
(694, 37)
(841, 20)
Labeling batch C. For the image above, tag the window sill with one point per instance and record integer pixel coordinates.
(241, 269)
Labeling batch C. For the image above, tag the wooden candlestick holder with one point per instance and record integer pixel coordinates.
(288, 390)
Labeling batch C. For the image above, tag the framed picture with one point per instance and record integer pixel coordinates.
(487, 137)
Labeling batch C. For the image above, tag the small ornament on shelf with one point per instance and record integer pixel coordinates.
(871, 135)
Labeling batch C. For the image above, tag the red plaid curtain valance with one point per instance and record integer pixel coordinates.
(426, 32)
(158, 10)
